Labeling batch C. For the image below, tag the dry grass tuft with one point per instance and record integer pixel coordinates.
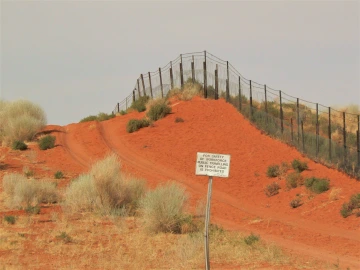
(334, 194)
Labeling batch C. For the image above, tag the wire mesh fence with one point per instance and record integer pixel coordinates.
(323, 133)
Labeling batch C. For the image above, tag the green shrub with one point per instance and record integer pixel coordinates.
(163, 208)
(20, 120)
(251, 239)
(140, 104)
(64, 237)
(299, 166)
(88, 119)
(122, 112)
(100, 117)
(354, 203)
(317, 185)
(158, 111)
(273, 171)
(346, 210)
(272, 189)
(136, 124)
(10, 219)
(47, 142)
(19, 145)
(58, 175)
(35, 210)
(293, 180)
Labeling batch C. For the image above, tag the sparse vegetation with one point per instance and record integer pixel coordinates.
(299, 166)
(100, 117)
(317, 185)
(35, 210)
(349, 207)
(47, 142)
(179, 120)
(158, 109)
(19, 145)
(136, 124)
(28, 173)
(273, 171)
(272, 189)
(58, 175)
(251, 239)
(20, 120)
(294, 180)
(140, 104)
(64, 237)
(295, 203)
(10, 219)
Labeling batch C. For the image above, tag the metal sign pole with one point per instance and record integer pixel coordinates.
(207, 221)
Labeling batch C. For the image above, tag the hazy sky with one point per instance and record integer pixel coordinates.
(77, 58)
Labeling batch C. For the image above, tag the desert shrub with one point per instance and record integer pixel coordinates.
(179, 120)
(10, 219)
(63, 236)
(47, 142)
(88, 119)
(19, 145)
(122, 112)
(35, 210)
(163, 208)
(100, 117)
(295, 203)
(273, 171)
(251, 239)
(136, 124)
(348, 208)
(10, 181)
(27, 172)
(299, 166)
(293, 180)
(58, 175)
(272, 189)
(20, 120)
(158, 110)
(317, 185)
(140, 104)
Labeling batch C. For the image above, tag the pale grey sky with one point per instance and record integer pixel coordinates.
(77, 58)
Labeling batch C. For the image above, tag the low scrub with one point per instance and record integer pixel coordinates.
(294, 180)
(136, 124)
(251, 239)
(100, 117)
(350, 207)
(273, 171)
(105, 190)
(163, 209)
(58, 175)
(272, 189)
(20, 120)
(19, 145)
(10, 219)
(158, 110)
(295, 203)
(140, 104)
(299, 166)
(317, 185)
(23, 192)
(189, 91)
(47, 142)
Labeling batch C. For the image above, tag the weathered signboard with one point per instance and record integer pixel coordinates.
(212, 164)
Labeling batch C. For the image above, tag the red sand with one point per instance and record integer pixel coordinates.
(167, 151)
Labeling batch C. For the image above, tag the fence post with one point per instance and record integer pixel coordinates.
(302, 135)
(227, 82)
(161, 84)
(358, 140)
(250, 100)
(265, 91)
(118, 107)
(344, 136)
(292, 130)
(298, 119)
(317, 130)
(240, 97)
(134, 95)
(126, 103)
(181, 72)
(171, 76)
(205, 81)
(281, 114)
(193, 70)
(138, 83)
(151, 92)
(216, 83)
(330, 157)
(143, 84)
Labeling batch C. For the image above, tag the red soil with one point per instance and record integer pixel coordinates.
(167, 151)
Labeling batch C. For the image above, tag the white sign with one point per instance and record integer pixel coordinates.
(212, 164)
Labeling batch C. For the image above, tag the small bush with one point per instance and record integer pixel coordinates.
(10, 219)
(293, 180)
(251, 239)
(317, 185)
(28, 173)
(122, 112)
(19, 145)
(58, 175)
(88, 119)
(100, 117)
(179, 120)
(158, 110)
(272, 189)
(348, 208)
(47, 142)
(273, 171)
(64, 237)
(136, 124)
(140, 104)
(35, 210)
(299, 166)
(295, 203)
(163, 208)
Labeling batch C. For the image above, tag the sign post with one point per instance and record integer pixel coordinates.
(211, 165)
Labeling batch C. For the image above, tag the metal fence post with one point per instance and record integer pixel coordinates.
(171, 76)
(193, 70)
(227, 82)
(298, 120)
(250, 100)
(330, 157)
(161, 84)
(143, 84)
(151, 92)
(138, 83)
(281, 114)
(134, 95)
(240, 95)
(317, 130)
(181, 72)
(216, 83)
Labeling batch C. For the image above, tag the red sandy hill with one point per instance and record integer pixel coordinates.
(167, 151)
